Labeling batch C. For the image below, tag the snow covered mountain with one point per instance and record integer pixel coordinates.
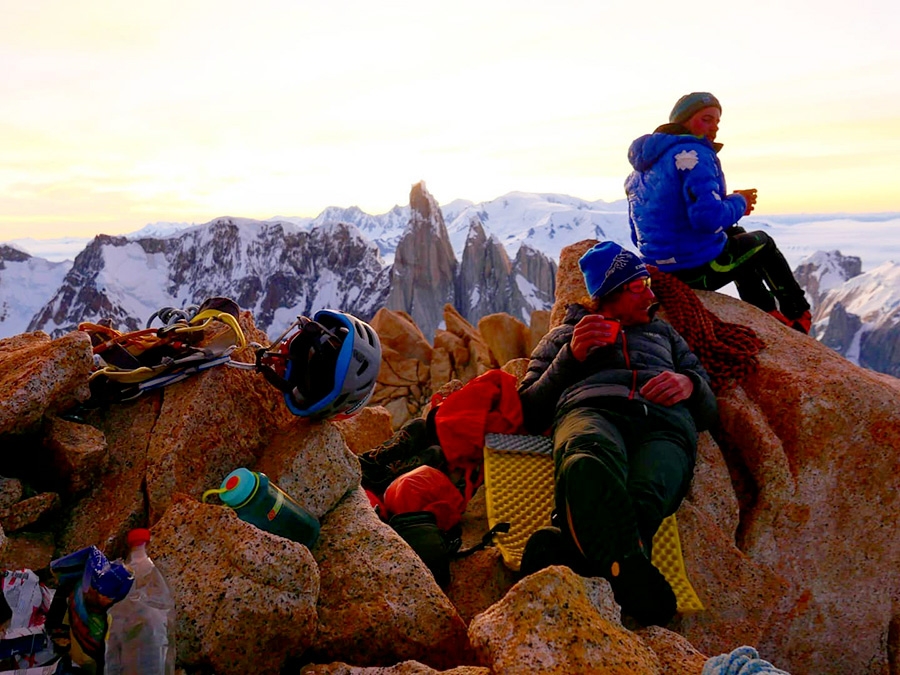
(25, 284)
(546, 222)
(274, 269)
(287, 266)
(280, 269)
(127, 278)
(857, 314)
(824, 271)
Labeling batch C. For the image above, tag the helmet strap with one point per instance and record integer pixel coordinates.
(313, 352)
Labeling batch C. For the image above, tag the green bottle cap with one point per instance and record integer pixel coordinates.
(238, 487)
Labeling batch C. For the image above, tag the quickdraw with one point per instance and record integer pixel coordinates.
(127, 365)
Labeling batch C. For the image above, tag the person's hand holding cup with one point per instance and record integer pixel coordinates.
(750, 196)
(591, 332)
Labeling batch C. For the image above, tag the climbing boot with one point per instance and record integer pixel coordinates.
(597, 515)
(642, 591)
(601, 522)
(543, 549)
(803, 323)
(781, 318)
(412, 446)
(551, 546)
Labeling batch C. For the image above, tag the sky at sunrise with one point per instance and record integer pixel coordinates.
(118, 114)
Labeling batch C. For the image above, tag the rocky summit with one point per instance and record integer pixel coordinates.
(788, 533)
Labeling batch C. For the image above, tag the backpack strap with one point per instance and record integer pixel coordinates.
(306, 351)
(486, 540)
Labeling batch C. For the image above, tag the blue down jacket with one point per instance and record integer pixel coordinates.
(678, 207)
(557, 382)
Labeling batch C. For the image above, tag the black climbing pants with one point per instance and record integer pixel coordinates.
(647, 454)
(753, 262)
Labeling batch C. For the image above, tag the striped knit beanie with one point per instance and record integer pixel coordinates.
(690, 104)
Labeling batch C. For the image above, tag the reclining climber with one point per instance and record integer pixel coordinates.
(625, 397)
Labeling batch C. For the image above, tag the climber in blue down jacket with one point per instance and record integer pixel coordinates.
(625, 397)
(684, 222)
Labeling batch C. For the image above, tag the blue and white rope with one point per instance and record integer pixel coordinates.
(742, 661)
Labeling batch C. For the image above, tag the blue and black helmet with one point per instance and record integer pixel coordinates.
(331, 363)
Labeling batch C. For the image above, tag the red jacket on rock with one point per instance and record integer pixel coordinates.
(487, 404)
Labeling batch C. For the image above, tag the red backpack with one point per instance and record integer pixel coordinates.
(486, 404)
(426, 489)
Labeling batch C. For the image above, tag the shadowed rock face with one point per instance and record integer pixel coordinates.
(10, 254)
(423, 277)
(484, 275)
(489, 283)
(426, 276)
(533, 283)
(840, 331)
(880, 349)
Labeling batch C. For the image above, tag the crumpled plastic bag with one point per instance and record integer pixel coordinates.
(24, 602)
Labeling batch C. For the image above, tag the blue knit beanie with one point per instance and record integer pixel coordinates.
(607, 266)
(689, 104)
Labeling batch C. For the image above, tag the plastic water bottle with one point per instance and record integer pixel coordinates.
(260, 502)
(141, 638)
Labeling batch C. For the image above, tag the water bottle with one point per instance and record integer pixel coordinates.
(141, 636)
(260, 502)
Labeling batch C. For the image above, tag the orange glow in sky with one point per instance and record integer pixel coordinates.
(115, 115)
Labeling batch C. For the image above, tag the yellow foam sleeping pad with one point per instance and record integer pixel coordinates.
(518, 481)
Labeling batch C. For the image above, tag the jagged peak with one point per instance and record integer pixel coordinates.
(108, 240)
(338, 226)
(160, 230)
(873, 296)
(13, 254)
(822, 257)
(425, 212)
(848, 265)
(339, 213)
(476, 231)
(423, 203)
(528, 251)
(344, 229)
(475, 223)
